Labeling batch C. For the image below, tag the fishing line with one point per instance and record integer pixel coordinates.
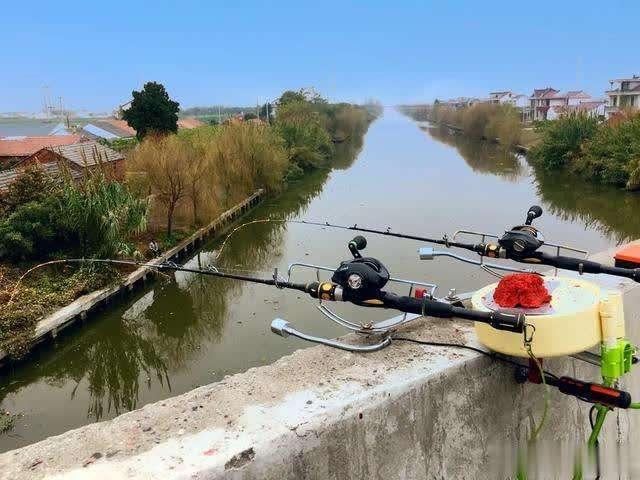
(355, 228)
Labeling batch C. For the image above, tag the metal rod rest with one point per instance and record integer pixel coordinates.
(284, 329)
(429, 253)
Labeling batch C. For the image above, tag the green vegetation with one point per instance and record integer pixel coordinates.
(562, 139)
(38, 294)
(199, 173)
(152, 111)
(42, 216)
(607, 153)
(483, 121)
(121, 144)
(194, 174)
(100, 215)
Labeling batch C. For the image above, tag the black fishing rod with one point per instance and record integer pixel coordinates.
(388, 233)
(359, 281)
(521, 244)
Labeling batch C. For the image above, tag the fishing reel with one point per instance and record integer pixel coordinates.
(522, 243)
(363, 277)
(359, 280)
(522, 240)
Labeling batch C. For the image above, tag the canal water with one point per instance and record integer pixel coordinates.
(184, 331)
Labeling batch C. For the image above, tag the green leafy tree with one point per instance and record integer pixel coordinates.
(152, 111)
(291, 96)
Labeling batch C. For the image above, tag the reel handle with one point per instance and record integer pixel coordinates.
(358, 243)
(534, 212)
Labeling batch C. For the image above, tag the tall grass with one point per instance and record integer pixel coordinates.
(208, 169)
(101, 214)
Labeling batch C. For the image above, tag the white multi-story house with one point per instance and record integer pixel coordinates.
(549, 104)
(542, 100)
(624, 93)
(515, 99)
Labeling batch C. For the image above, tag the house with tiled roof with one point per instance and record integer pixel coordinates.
(14, 149)
(541, 101)
(508, 97)
(624, 93)
(83, 158)
(53, 169)
(549, 104)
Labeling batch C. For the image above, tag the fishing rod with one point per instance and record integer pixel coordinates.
(521, 243)
(359, 281)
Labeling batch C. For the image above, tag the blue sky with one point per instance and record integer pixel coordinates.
(94, 53)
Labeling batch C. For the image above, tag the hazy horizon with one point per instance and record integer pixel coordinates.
(250, 52)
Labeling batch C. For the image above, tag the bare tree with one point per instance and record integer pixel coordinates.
(163, 160)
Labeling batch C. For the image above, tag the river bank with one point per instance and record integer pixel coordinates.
(184, 331)
(173, 183)
(79, 309)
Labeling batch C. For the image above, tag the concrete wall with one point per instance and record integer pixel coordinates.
(409, 411)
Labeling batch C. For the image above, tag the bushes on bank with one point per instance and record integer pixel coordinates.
(307, 141)
(607, 153)
(42, 215)
(562, 140)
(481, 121)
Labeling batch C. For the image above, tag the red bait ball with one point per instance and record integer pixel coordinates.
(521, 290)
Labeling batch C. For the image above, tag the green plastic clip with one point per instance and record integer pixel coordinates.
(616, 360)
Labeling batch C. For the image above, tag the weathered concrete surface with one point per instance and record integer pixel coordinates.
(409, 411)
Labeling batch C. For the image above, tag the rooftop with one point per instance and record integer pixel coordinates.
(87, 154)
(189, 123)
(26, 146)
(545, 93)
(7, 177)
(114, 126)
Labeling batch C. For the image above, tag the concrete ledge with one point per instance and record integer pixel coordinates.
(409, 411)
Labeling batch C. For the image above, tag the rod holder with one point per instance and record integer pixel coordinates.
(283, 328)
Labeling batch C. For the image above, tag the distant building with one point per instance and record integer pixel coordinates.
(187, 123)
(508, 97)
(108, 129)
(549, 104)
(14, 149)
(624, 93)
(82, 158)
(541, 102)
(62, 129)
(459, 102)
(7, 177)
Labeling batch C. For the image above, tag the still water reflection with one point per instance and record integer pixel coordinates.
(184, 330)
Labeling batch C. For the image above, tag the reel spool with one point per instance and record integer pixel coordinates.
(569, 324)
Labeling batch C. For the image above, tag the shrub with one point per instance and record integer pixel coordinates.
(31, 231)
(308, 143)
(33, 184)
(562, 140)
(101, 214)
(611, 155)
(30, 225)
